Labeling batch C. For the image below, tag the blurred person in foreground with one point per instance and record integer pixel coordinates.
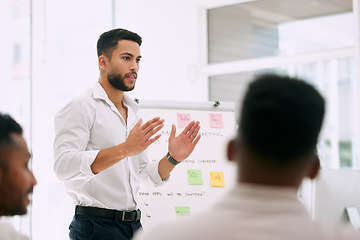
(16, 179)
(280, 121)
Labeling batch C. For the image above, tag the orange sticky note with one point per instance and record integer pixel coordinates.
(217, 179)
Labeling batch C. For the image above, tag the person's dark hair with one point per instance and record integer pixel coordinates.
(108, 41)
(281, 117)
(7, 126)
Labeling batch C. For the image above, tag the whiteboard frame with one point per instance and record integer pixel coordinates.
(206, 106)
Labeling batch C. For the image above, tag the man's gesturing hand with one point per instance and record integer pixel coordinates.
(181, 147)
(141, 137)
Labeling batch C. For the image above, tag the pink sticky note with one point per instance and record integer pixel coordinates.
(183, 119)
(216, 120)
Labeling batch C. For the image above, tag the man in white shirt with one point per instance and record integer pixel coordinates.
(280, 121)
(16, 179)
(100, 143)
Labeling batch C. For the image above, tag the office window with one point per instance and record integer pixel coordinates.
(244, 39)
(335, 145)
(263, 28)
(345, 154)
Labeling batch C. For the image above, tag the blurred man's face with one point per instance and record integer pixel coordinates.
(16, 179)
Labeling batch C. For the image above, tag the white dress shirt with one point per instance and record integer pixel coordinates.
(88, 124)
(8, 232)
(251, 212)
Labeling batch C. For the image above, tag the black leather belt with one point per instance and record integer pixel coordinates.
(126, 216)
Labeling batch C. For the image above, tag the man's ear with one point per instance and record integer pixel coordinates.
(314, 168)
(103, 62)
(231, 150)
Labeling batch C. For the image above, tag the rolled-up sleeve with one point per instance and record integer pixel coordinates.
(72, 133)
(150, 169)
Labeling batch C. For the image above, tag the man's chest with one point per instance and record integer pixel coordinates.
(109, 128)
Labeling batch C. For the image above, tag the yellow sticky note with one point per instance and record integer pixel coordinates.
(217, 179)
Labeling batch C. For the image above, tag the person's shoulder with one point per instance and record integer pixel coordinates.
(85, 97)
(193, 227)
(159, 232)
(331, 231)
(8, 232)
(80, 103)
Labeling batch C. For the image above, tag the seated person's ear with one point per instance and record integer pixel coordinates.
(231, 150)
(314, 167)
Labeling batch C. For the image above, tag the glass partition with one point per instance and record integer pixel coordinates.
(334, 79)
(265, 28)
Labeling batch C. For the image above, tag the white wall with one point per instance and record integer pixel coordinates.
(65, 64)
(170, 51)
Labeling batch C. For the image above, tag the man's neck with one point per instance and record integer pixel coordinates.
(116, 96)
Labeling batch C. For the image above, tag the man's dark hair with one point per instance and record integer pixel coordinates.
(108, 41)
(281, 117)
(7, 126)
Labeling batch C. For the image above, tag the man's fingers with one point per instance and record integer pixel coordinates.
(150, 133)
(195, 133)
(152, 140)
(188, 127)
(153, 125)
(138, 124)
(150, 122)
(196, 140)
(193, 128)
(173, 131)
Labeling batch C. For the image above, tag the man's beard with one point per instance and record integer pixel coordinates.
(12, 200)
(118, 82)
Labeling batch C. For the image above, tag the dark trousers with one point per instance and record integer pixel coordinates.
(85, 227)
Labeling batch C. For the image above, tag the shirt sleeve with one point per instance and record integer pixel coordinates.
(72, 134)
(150, 170)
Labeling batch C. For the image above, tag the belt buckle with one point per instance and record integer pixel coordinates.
(138, 215)
(123, 216)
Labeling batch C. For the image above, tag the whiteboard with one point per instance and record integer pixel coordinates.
(189, 190)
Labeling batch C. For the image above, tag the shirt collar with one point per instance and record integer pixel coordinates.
(129, 102)
(261, 191)
(99, 93)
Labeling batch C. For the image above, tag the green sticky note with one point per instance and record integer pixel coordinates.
(194, 177)
(182, 211)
